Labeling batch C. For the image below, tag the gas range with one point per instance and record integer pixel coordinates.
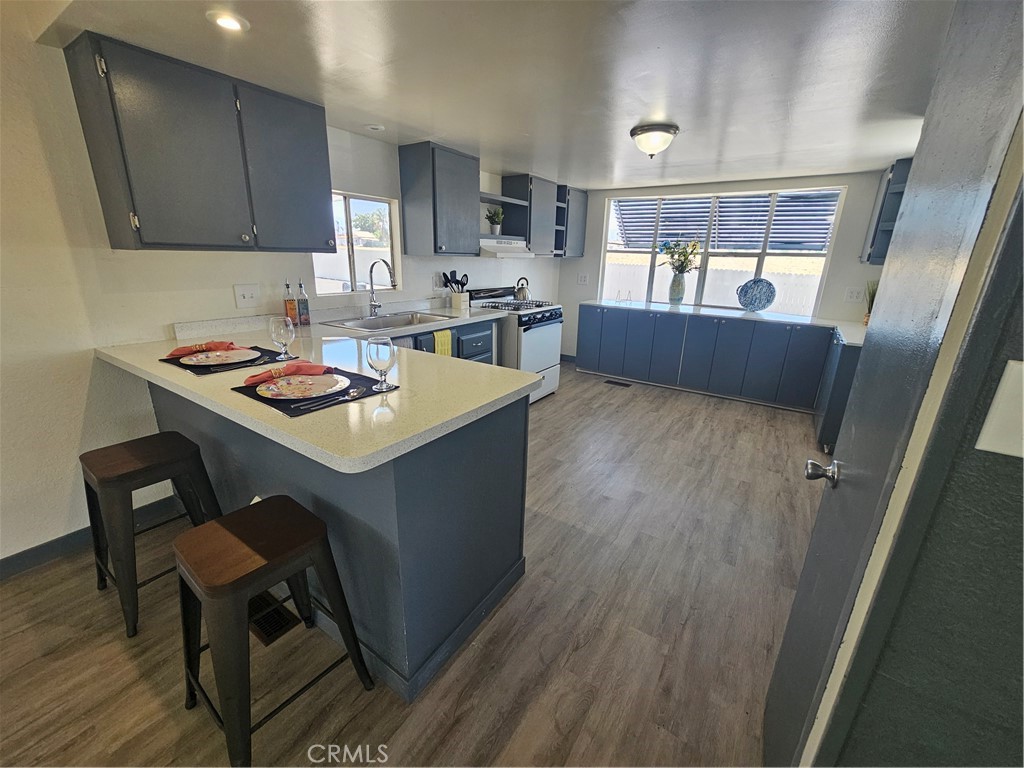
(529, 338)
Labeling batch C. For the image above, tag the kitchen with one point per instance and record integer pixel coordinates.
(545, 671)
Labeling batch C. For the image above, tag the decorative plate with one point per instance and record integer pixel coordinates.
(220, 358)
(301, 387)
(756, 295)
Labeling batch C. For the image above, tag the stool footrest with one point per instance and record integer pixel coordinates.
(154, 526)
(215, 713)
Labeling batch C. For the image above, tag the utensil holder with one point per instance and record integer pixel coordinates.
(460, 301)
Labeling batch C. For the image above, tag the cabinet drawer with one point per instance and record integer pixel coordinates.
(476, 344)
(486, 357)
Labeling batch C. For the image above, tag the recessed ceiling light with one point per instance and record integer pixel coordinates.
(226, 20)
(375, 127)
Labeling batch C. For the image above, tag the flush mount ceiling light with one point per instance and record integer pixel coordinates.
(653, 137)
(374, 127)
(230, 21)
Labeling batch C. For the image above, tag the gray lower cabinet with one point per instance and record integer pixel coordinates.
(440, 200)
(470, 342)
(765, 361)
(173, 168)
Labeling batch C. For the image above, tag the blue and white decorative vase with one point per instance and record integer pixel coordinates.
(677, 288)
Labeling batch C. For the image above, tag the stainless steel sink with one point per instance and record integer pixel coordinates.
(388, 322)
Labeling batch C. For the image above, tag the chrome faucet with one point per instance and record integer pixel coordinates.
(374, 304)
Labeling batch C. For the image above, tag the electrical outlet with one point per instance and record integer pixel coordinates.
(247, 295)
(855, 295)
(582, 278)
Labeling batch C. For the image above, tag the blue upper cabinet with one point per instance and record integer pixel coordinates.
(285, 146)
(535, 221)
(888, 210)
(764, 365)
(732, 347)
(613, 341)
(177, 166)
(440, 200)
(588, 337)
(636, 360)
(667, 348)
(698, 352)
(805, 360)
(570, 222)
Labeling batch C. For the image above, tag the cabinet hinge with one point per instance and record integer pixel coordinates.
(254, 229)
(134, 220)
(238, 106)
(101, 65)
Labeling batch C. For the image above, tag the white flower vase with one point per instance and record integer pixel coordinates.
(677, 289)
(495, 229)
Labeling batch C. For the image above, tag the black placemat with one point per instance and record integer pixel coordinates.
(287, 407)
(267, 357)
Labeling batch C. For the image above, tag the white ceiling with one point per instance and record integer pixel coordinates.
(759, 88)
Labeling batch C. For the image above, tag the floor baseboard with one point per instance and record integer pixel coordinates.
(81, 540)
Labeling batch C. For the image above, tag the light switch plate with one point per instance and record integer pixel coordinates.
(854, 295)
(247, 295)
(582, 278)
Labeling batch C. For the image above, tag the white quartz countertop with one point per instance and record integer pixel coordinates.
(852, 332)
(438, 395)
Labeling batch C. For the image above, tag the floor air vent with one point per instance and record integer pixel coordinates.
(269, 619)
(617, 383)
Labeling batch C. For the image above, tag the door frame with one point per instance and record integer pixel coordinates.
(919, 482)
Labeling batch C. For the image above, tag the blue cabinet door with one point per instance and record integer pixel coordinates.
(636, 360)
(698, 352)
(805, 359)
(667, 348)
(764, 364)
(730, 361)
(588, 337)
(613, 341)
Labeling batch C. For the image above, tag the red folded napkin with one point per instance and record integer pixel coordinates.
(210, 346)
(296, 368)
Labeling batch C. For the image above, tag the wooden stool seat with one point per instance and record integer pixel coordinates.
(111, 474)
(226, 554)
(222, 565)
(136, 461)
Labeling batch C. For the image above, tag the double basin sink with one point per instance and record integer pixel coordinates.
(388, 322)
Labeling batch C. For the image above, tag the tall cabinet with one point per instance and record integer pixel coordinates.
(440, 200)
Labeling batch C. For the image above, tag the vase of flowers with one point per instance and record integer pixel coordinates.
(494, 217)
(681, 258)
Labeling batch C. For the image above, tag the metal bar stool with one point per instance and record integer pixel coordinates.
(222, 565)
(111, 474)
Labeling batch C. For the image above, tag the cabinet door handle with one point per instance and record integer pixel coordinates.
(330, 243)
(245, 238)
(441, 248)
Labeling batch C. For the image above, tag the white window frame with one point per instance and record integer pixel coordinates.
(707, 252)
(394, 235)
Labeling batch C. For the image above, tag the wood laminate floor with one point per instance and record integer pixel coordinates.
(665, 532)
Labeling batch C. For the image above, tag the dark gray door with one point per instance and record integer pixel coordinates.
(289, 171)
(456, 203)
(974, 106)
(179, 134)
(543, 199)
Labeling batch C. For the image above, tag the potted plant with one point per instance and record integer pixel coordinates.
(871, 292)
(494, 218)
(682, 258)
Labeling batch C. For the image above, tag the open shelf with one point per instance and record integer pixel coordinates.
(487, 197)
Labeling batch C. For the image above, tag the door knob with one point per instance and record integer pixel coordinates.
(814, 471)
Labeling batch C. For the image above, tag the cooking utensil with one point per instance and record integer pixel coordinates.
(447, 282)
(316, 405)
(523, 289)
(463, 282)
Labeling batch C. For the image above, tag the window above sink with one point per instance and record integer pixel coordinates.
(364, 232)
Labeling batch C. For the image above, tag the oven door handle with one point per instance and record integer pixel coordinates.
(559, 321)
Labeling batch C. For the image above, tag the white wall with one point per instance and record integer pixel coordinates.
(843, 270)
(63, 291)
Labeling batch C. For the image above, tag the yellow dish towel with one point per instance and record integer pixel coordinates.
(443, 343)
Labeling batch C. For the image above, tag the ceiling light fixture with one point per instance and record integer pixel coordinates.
(374, 127)
(230, 21)
(653, 137)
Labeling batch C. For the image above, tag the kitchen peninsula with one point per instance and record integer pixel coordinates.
(423, 488)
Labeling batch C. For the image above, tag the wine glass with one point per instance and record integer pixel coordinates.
(380, 354)
(282, 333)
